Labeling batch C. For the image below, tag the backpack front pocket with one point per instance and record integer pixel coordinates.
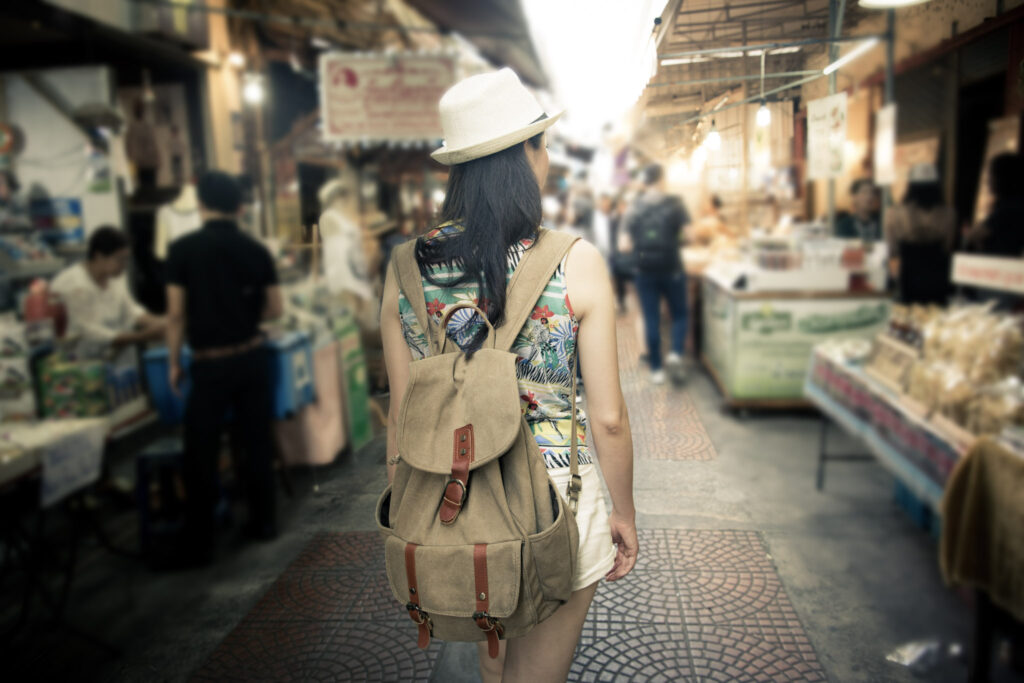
(446, 577)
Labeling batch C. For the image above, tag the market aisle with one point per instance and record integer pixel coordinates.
(746, 573)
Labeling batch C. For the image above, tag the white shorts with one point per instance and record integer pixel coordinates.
(597, 552)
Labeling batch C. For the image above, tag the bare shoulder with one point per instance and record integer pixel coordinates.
(586, 277)
(583, 258)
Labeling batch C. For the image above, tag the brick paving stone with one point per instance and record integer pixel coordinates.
(665, 422)
(304, 596)
(331, 551)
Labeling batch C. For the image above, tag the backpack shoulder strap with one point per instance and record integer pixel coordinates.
(410, 282)
(530, 280)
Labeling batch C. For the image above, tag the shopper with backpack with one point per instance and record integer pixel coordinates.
(495, 525)
(655, 226)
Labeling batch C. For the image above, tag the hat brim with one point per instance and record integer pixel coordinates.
(450, 157)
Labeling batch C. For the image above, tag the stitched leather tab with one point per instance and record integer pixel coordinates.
(485, 621)
(418, 616)
(457, 488)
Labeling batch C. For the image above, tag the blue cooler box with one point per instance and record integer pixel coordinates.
(291, 376)
(169, 406)
(291, 373)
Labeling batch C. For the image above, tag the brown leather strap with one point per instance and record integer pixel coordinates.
(484, 620)
(575, 486)
(419, 617)
(410, 283)
(457, 488)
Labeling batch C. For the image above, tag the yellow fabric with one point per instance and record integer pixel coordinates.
(983, 525)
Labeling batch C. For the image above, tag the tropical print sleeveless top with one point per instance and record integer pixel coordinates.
(546, 346)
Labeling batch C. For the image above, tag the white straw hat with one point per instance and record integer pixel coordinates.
(484, 114)
(923, 173)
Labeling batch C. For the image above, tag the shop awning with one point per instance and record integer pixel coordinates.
(36, 35)
(497, 28)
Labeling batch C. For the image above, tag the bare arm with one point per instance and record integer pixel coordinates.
(274, 306)
(397, 359)
(175, 324)
(590, 291)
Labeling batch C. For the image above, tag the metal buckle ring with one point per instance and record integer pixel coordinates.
(575, 483)
(492, 623)
(423, 616)
(465, 492)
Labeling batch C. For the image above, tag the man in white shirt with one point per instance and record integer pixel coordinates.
(102, 315)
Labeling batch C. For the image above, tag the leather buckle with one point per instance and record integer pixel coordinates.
(416, 611)
(573, 492)
(465, 493)
(492, 623)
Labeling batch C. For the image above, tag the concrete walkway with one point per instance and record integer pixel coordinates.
(765, 578)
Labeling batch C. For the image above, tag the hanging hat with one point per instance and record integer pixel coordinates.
(484, 114)
(330, 191)
(923, 173)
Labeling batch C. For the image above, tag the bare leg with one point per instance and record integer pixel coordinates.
(544, 655)
(490, 669)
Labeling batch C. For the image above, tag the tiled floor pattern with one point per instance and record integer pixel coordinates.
(700, 606)
(665, 421)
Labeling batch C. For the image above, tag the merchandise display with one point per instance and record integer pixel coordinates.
(17, 397)
(964, 366)
(94, 388)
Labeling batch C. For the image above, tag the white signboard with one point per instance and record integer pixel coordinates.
(1002, 274)
(885, 145)
(72, 461)
(826, 135)
(382, 97)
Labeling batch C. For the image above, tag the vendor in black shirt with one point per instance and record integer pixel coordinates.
(221, 286)
(1002, 232)
(861, 223)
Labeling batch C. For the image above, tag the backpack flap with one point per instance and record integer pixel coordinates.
(477, 416)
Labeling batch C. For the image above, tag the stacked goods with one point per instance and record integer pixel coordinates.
(85, 388)
(17, 400)
(969, 371)
(73, 388)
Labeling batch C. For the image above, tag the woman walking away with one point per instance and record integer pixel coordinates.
(495, 145)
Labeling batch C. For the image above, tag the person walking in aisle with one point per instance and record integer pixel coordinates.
(222, 284)
(489, 222)
(655, 226)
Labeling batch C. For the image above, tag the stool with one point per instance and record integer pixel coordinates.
(165, 460)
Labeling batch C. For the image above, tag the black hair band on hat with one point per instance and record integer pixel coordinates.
(539, 118)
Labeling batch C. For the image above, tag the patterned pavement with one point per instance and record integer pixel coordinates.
(665, 421)
(701, 606)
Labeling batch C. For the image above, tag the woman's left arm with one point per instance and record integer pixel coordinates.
(397, 359)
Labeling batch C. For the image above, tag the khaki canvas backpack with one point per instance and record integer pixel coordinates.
(478, 543)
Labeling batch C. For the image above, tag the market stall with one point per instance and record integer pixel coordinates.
(764, 312)
(922, 394)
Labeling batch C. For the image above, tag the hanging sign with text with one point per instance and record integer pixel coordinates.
(826, 136)
(366, 98)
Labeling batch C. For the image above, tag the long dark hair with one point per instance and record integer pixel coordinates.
(496, 200)
(924, 195)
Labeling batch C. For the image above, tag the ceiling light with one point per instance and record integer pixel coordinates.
(236, 59)
(764, 115)
(850, 56)
(676, 61)
(889, 4)
(714, 139)
(253, 92)
(785, 50)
